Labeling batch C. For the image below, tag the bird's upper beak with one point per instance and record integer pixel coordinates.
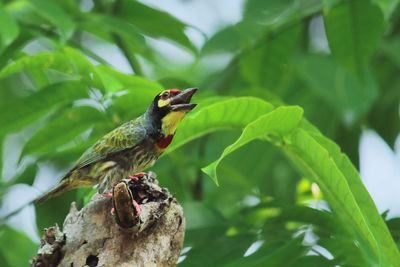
(181, 102)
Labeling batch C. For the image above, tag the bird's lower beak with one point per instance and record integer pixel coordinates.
(181, 102)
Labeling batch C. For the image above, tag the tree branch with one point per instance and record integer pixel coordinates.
(95, 237)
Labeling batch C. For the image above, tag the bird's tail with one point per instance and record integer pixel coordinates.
(62, 187)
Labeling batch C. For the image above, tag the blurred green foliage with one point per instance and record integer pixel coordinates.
(248, 132)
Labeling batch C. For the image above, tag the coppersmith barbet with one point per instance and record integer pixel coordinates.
(131, 148)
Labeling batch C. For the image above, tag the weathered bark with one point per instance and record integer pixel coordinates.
(95, 237)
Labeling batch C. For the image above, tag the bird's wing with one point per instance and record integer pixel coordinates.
(126, 136)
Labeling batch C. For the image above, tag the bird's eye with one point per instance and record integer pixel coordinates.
(165, 95)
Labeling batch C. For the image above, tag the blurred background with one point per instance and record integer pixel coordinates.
(70, 71)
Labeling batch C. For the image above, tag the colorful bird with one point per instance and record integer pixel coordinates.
(130, 148)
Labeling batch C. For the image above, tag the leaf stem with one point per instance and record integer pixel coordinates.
(130, 57)
(197, 188)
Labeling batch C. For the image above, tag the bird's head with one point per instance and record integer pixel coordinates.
(169, 107)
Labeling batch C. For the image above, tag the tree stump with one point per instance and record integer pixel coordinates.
(95, 237)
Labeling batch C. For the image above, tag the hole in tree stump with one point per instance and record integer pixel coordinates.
(92, 261)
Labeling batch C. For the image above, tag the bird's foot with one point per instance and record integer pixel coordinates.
(137, 176)
(107, 195)
(138, 207)
(112, 211)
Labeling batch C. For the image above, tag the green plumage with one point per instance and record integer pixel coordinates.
(128, 149)
(121, 152)
(126, 136)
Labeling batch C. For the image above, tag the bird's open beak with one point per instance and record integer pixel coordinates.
(181, 102)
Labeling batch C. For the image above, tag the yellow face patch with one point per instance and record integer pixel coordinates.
(162, 103)
(170, 122)
(165, 99)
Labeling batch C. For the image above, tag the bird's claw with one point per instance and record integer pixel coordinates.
(106, 195)
(137, 176)
(138, 207)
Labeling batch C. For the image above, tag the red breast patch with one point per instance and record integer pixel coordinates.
(164, 142)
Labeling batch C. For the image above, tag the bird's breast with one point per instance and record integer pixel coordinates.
(163, 142)
(142, 157)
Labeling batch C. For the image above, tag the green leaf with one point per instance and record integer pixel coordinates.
(1, 164)
(65, 64)
(114, 81)
(223, 114)
(219, 252)
(229, 39)
(283, 254)
(281, 121)
(307, 215)
(55, 14)
(62, 129)
(132, 93)
(314, 261)
(269, 65)
(155, 23)
(391, 48)
(343, 189)
(268, 12)
(9, 29)
(394, 227)
(337, 86)
(24, 13)
(200, 215)
(364, 200)
(275, 14)
(354, 29)
(114, 25)
(260, 19)
(15, 248)
(333, 178)
(387, 7)
(20, 112)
